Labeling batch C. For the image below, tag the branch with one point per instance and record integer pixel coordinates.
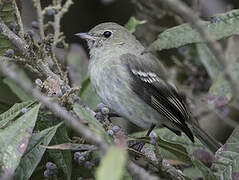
(54, 107)
(139, 172)
(40, 17)
(20, 44)
(189, 15)
(57, 19)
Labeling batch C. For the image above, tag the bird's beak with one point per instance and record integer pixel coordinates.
(85, 36)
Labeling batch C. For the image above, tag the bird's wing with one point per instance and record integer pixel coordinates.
(156, 92)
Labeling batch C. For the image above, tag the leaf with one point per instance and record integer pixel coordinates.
(77, 61)
(88, 95)
(13, 112)
(167, 135)
(227, 158)
(221, 87)
(62, 159)
(208, 61)
(94, 124)
(178, 150)
(34, 152)
(7, 98)
(14, 139)
(112, 165)
(220, 26)
(7, 14)
(207, 173)
(133, 23)
(21, 94)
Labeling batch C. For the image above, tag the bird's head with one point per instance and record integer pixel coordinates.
(107, 35)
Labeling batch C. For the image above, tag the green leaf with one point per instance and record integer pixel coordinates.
(21, 94)
(34, 152)
(88, 95)
(178, 150)
(62, 159)
(7, 14)
(7, 98)
(220, 86)
(227, 158)
(14, 140)
(208, 61)
(221, 26)
(13, 112)
(167, 135)
(78, 65)
(94, 124)
(112, 165)
(207, 173)
(133, 23)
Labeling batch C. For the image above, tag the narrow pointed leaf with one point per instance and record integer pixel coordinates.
(220, 26)
(94, 124)
(13, 112)
(112, 166)
(34, 152)
(14, 140)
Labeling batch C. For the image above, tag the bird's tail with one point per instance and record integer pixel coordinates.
(205, 138)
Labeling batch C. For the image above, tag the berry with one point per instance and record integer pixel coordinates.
(49, 94)
(9, 53)
(24, 110)
(50, 166)
(99, 117)
(115, 128)
(77, 155)
(59, 94)
(105, 110)
(51, 12)
(110, 132)
(100, 106)
(47, 174)
(48, 47)
(35, 24)
(12, 25)
(153, 135)
(38, 82)
(29, 33)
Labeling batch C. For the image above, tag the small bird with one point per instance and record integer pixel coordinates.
(133, 83)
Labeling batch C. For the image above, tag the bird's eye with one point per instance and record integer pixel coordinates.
(107, 34)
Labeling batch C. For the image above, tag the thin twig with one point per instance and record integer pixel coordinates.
(57, 19)
(19, 19)
(40, 17)
(189, 15)
(20, 44)
(139, 172)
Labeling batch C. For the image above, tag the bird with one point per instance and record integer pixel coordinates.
(133, 83)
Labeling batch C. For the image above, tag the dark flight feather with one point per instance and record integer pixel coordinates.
(160, 95)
